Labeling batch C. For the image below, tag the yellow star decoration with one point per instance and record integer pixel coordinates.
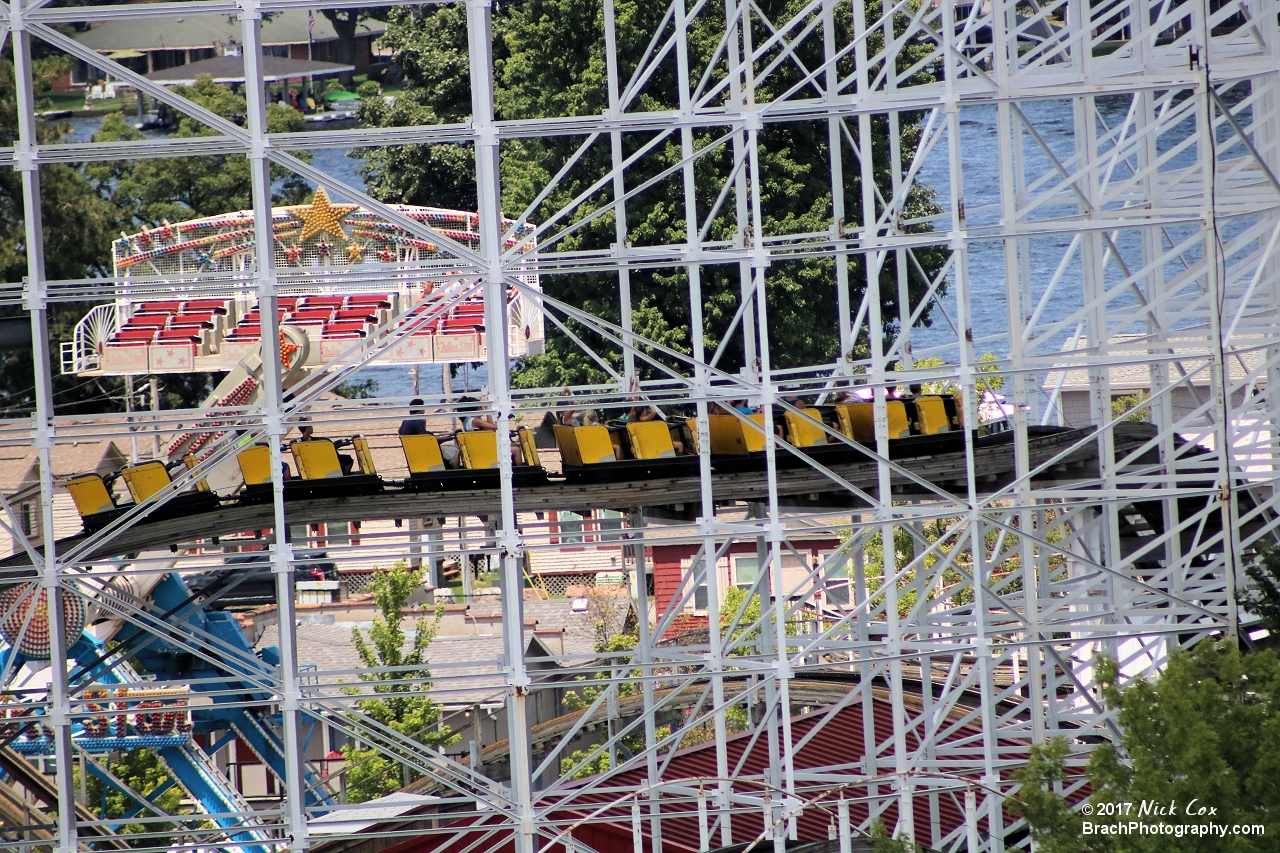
(355, 252)
(321, 217)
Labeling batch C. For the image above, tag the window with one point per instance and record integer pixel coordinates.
(28, 519)
(837, 593)
(700, 586)
(610, 523)
(570, 525)
(745, 571)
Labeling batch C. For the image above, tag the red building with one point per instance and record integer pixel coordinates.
(740, 567)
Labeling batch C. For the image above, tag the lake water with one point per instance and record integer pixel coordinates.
(1052, 119)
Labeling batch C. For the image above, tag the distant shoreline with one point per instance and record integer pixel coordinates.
(59, 114)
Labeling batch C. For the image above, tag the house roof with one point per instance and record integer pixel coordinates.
(15, 463)
(197, 31)
(364, 816)
(19, 468)
(1134, 354)
(230, 69)
(579, 628)
(465, 671)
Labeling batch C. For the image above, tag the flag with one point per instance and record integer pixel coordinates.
(311, 23)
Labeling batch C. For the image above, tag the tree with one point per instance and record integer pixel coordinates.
(1204, 735)
(399, 701)
(147, 192)
(83, 207)
(78, 227)
(549, 61)
(429, 44)
(579, 700)
(1264, 570)
(883, 842)
(1123, 405)
(987, 375)
(143, 771)
(346, 22)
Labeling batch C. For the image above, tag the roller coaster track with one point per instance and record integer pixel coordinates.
(1073, 457)
(43, 789)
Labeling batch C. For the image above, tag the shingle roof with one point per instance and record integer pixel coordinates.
(465, 670)
(18, 464)
(579, 628)
(230, 69)
(196, 31)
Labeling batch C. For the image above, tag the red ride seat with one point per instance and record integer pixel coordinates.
(351, 314)
(284, 303)
(206, 319)
(153, 321)
(376, 301)
(172, 336)
(197, 306)
(136, 335)
(332, 329)
(310, 313)
(321, 302)
(461, 326)
(159, 307)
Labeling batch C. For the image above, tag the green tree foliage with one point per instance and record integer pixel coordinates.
(1264, 570)
(141, 770)
(739, 635)
(1054, 826)
(948, 538)
(357, 389)
(884, 842)
(1208, 730)
(1137, 404)
(582, 698)
(85, 207)
(148, 192)
(78, 227)
(576, 700)
(346, 24)
(549, 61)
(430, 47)
(988, 376)
(399, 699)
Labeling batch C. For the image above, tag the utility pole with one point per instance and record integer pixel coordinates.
(155, 414)
(128, 408)
(446, 387)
